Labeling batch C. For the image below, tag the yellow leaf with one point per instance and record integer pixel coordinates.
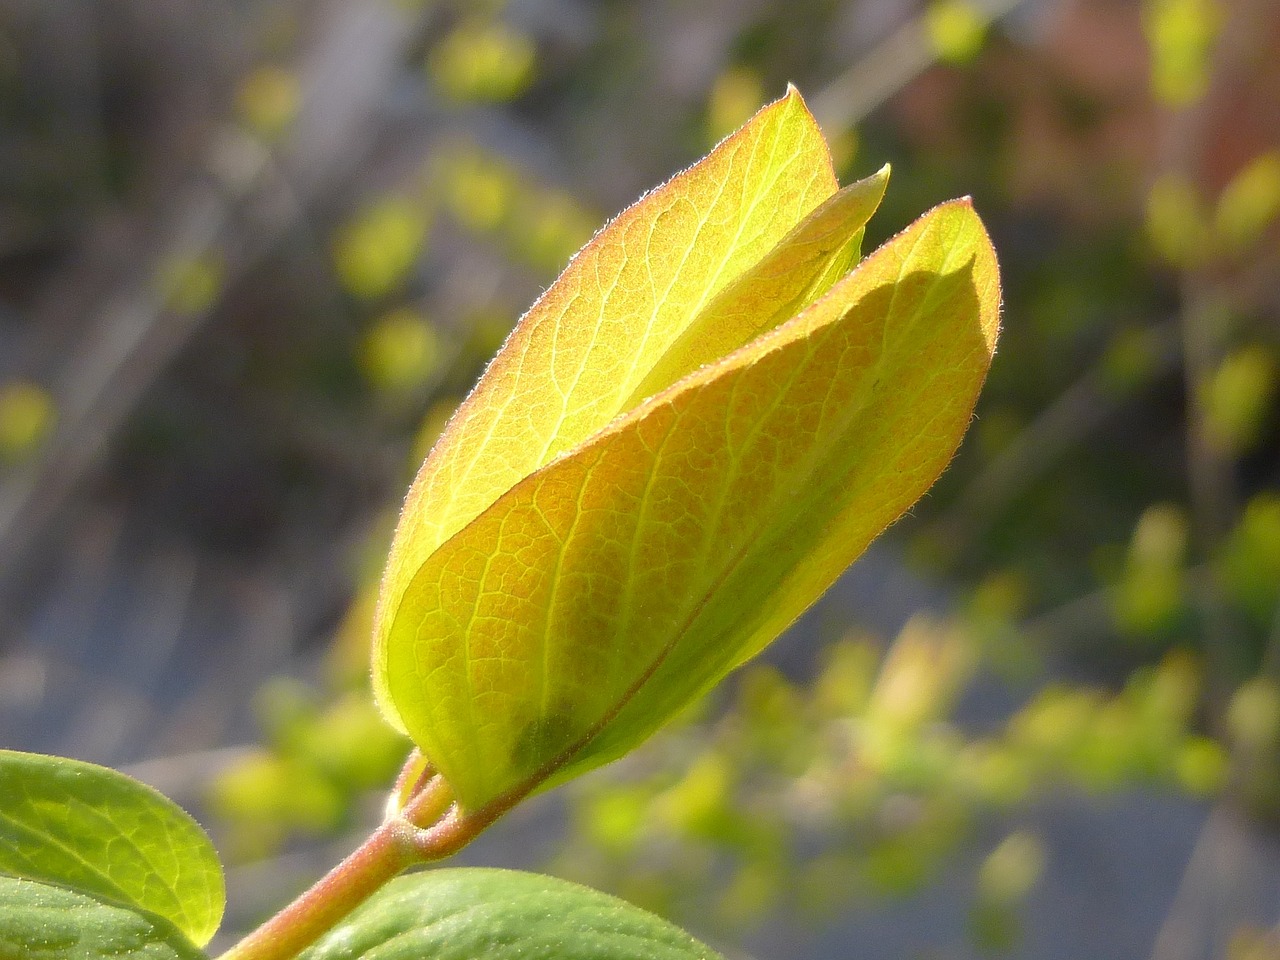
(375, 251)
(401, 351)
(734, 97)
(803, 266)
(268, 100)
(483, 61)
(573, 567)
(1176, 220)
(581, 350)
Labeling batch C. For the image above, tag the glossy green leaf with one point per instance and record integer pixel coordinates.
(608, 586)
(101, 833)
(43, 922)
(475, 914)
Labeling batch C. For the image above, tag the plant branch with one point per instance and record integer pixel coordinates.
(400, 842)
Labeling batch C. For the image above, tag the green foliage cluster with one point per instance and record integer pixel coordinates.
(376, 249)
(861, 785)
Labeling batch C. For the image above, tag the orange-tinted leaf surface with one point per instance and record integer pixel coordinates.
(602, 592)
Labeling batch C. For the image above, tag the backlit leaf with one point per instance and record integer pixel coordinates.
(43, 922)
(584, 347)
(103, 834)
(501, 915)
(802, 267)
(605, 570)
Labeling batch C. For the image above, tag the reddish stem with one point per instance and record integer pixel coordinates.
(395, 845)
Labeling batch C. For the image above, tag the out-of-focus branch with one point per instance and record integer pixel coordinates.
(233, 214)
(888, 67)
(1080, 409)
(1204, 323)
(1217, 894)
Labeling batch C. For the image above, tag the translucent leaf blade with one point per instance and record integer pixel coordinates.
(801, 268)
(99, 832)
(607, 590)
(576, 357)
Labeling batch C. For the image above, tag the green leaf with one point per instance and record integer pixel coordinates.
(475, 914)
(796, 415)
(101, 833)
(43, 922)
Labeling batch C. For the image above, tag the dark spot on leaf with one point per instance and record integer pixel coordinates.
(542, 738)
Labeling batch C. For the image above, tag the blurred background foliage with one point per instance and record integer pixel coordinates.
(253, 254)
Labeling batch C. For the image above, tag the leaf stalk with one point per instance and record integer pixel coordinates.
(411, 836)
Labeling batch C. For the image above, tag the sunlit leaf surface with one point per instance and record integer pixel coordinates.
(576, 562)
(43, 922)
(822, 248)
(101, 833)
(583, 348)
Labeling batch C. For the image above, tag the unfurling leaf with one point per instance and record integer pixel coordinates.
(681, 446)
